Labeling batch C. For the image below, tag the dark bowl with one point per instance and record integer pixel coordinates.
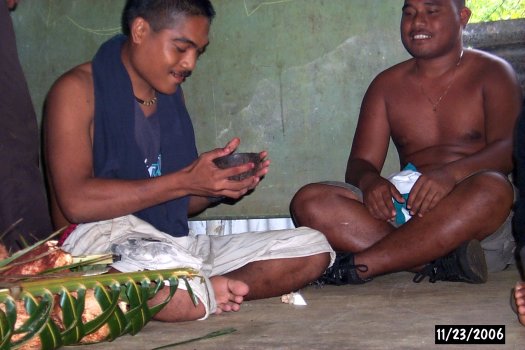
(236, 159)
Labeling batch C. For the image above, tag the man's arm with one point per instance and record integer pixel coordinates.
(83, 198)
(369, 150)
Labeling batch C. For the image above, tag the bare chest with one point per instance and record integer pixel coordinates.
(417, 122)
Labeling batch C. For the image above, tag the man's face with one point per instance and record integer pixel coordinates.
(167, 57)
(430, 28)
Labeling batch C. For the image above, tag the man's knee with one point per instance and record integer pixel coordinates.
(318, 264)
(490, 197)
(305, 198)
(493, 186)
(321, 262)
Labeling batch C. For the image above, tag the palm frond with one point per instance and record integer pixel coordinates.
(207, 336)
(7, 261)
(39, 298)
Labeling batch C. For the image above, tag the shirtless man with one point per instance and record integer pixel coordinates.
(102, 116)
(450, 112)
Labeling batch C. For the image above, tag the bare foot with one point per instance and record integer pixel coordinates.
(229, 293)
(519, 298)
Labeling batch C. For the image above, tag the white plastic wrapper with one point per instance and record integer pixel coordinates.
(293, 299)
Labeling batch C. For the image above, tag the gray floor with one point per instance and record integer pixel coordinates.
(390, 312)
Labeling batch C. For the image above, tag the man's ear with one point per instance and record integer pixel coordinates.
(464, 16)
(139, 28)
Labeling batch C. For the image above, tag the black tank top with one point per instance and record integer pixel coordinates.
(147, 135)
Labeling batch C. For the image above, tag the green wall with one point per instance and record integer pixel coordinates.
(285, 76)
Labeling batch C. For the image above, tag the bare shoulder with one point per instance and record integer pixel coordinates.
(373, 130)
(72, 95)
(392, 76)
(494, 80)
(484, 58)
(77, 80)
(490, 68)
(384, 88)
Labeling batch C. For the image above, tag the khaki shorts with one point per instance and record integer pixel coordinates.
(142, 247)
(498, 247)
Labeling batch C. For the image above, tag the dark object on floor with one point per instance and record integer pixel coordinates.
(465, 264)
(343, 271)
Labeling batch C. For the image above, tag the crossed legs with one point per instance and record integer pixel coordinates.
(474, 209)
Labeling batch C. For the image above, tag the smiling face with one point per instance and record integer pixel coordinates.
(164, 59)
(431, 28)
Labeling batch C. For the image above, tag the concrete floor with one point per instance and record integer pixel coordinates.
(390, 312)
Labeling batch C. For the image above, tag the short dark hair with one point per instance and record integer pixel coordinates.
(160, 14)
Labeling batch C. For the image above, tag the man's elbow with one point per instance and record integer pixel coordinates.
(70, 211)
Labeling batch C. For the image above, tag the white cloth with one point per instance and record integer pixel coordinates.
(404, 181)
(143, 247)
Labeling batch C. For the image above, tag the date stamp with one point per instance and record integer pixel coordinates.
(469, 334)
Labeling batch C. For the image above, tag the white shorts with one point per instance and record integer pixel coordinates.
(143, 247)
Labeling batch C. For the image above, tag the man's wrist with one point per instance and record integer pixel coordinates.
(367, 179)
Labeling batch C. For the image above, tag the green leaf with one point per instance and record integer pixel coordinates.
(108, 301)
(80, 264)
(6, 330)
(207, 336)
(72, 316)
(190, 292)
(39, 314)
(138, 314)
(10, 320)
(174, 283)
(50, 336)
